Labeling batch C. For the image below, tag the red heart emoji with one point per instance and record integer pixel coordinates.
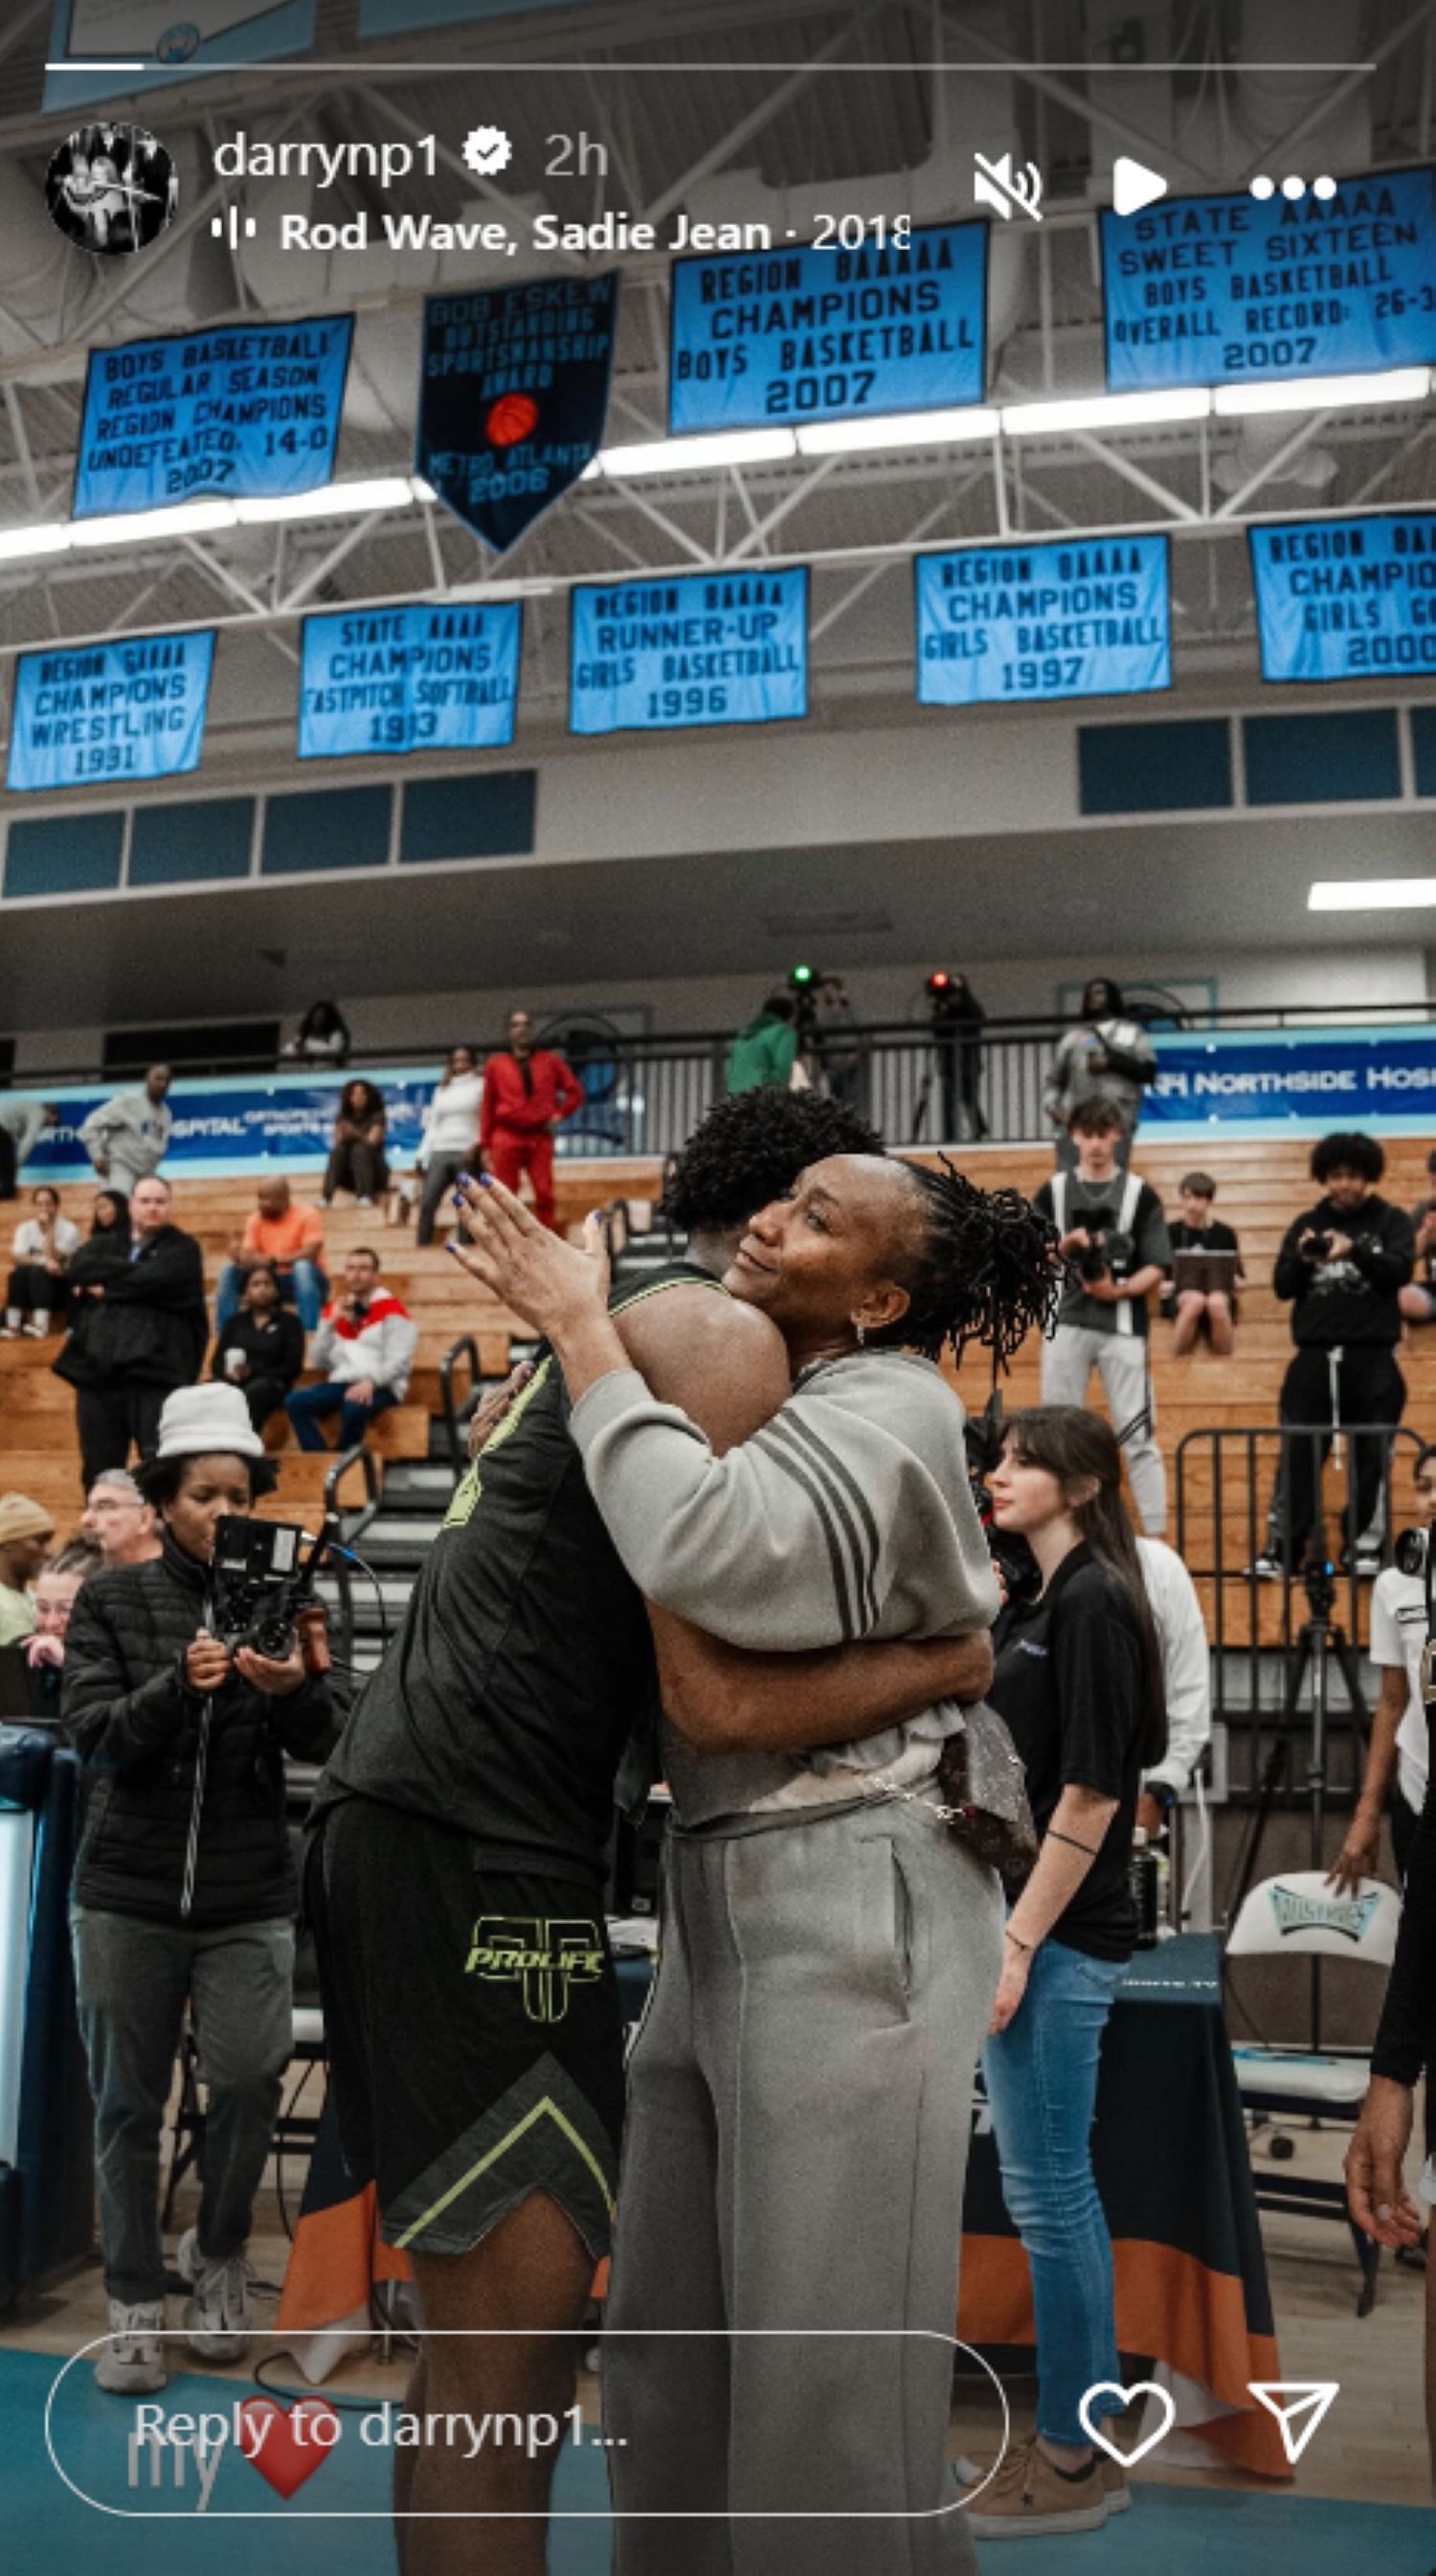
(270, 2436)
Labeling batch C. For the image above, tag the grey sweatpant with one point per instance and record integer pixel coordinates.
(793, 2165)
(1120, 1360)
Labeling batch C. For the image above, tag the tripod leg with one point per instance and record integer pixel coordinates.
(1273, 1774)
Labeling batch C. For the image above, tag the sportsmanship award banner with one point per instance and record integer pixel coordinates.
(1074, 619)
(799, 335)
(242, 413)
(100, 711)
(402, 679)
(1228, 290)
(142, 44)
(513, 398)
(713, 649)
(1343, 599)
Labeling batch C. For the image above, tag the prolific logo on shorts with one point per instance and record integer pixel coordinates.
(1348, 1915)
(541, 1955)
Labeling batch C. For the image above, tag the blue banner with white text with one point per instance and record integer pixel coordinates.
(144, 44)
(431, 677)
(1309, 1080)
(711, 649)
(1237, 290)
(830, 333)
(1346, 599)
(129, 710)
(1078, 618)
(238, 413)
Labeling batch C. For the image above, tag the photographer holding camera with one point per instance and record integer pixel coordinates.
(184, 1887)
(1112, 1231)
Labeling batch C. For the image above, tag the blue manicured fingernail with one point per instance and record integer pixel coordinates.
(458, 1198)
(452, 1247)
(486, 1181)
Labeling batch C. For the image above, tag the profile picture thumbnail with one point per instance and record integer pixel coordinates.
(111, 188)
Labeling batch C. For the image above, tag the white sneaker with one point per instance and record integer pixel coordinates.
(218, 2319)
(133, 2361)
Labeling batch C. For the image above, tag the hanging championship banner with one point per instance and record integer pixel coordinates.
(1346, 599)
(142, 44)
(120, 711)
(513, 397)
(1233, 290)
(404, 679)
(713, 649)
(829, 334)
(1078, 618)
(241, 414)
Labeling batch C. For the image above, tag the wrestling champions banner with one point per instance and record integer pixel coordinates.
(142, 44)
(1079, 618)
(431, 678)
(719, 648)
(513, 397)
(1231, 290)
(830, 334)
(238, 412)
(124, 711)
(1343, 599)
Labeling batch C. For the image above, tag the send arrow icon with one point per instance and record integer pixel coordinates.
(1300, 2407)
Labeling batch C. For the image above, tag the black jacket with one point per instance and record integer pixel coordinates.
(1337, 1303)
(98, 1260)
(273, 1351)
(160, 1762)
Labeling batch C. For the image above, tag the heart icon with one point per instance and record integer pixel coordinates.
(287, 2444)
(1112, 2388)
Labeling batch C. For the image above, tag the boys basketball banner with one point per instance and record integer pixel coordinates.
(141, 44)
(1079, 618)
(513, 397)
(110, 711)
(1346, 599)
(234, 413)
(403, 679)
(719, 648)
(1234, 290)
(829, 333)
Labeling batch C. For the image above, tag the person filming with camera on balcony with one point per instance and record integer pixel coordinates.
(1113, 1234)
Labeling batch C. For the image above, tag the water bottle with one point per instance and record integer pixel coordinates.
(1142, 1878)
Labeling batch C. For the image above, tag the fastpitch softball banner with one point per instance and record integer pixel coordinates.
(1080, 618)
(141, 44)
(829, 333)
(513, 397)
(430, 678)
(713, 649)
(122, 711)
(1346, 599)
(243, 413)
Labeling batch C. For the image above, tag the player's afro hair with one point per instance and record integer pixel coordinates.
(750, 1149)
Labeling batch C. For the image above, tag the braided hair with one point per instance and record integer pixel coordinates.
(984, 1269)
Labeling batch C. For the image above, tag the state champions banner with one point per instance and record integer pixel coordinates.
(829, 334)
(142, 44)
(130, 710)
(1346, 599)
(710, 649)
(242, 412)
(513, 397)
(1072, 618)
(1232, 290)
(434, 676)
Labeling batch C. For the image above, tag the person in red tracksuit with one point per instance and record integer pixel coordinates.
(528, 1091)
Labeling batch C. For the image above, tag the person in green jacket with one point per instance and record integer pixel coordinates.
(764, 1051)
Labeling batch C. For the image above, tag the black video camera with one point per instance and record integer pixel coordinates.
(1317, 1247)
(1112, 1255)
(260, 1582)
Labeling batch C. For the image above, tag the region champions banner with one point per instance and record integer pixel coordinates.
(1346, 599)
(711, 649)
(831, 334)
(142, 44)
(1230, 290)
(513, 397)
(428, 677)
(123, 711)
(240, 413)
(1077, 618)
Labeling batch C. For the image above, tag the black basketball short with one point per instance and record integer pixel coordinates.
(474, 2031)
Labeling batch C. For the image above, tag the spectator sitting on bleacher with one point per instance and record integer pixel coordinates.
(363, 1350)
(260, 1349)
(450, 1142)
(284, 1235)
(1206, 1271)
(1114, 1236)
(143, 1331)
(1417, 1300)
(41, 1249)
(26, 1535)
(21, 1122)
(57, 1588)
(119, 1520)
(356, 1159)
(127, 1138)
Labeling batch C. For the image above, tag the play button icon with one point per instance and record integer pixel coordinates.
(1135, 186)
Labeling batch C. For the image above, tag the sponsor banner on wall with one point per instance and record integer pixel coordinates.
(1313, 1078)
(123, 711)
(829, 333)
(513, 397)
(711, 649)
(239, 413)
(1078, 618)
(1235, 290)
(1346, 599)
(432, 677)
(143, 44)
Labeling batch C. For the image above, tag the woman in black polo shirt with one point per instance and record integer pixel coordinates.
(1079, 1681)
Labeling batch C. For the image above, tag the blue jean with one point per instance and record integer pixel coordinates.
(308, 1406)
(302, 1285)
(1041, 2077)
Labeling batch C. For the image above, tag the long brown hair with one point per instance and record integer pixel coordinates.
(1074, 1445)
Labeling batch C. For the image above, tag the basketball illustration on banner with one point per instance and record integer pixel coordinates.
(513, 418)
(513, 397)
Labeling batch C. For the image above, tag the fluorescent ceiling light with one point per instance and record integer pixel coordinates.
(700, 455)
(133, 527)
(1372, 894)
(50, 539)
(1106, 411)
(1326, 393)
(331, 501)
(903, 429)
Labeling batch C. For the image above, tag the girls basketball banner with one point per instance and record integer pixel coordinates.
(1080, 618)
(513, 397)
(238, 413)
(122, 711)
(716, 649)
(1346, 599)
(429, 677)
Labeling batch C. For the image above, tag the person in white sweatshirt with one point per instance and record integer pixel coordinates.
(363, 1350)
(128, 1137)
(41, 1248)
(451, 1134)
